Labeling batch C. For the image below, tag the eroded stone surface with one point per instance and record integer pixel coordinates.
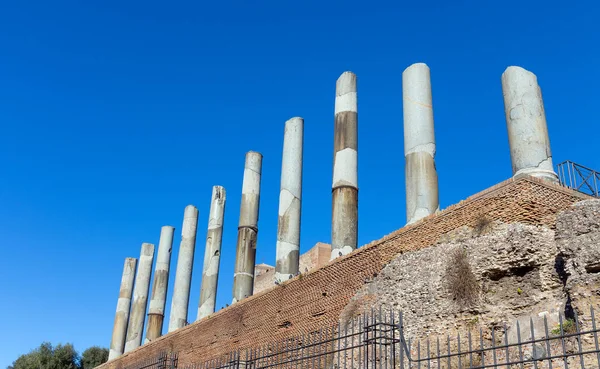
(578, 239)
(522, 271)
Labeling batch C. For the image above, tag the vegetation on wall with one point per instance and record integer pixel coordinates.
(462, 284)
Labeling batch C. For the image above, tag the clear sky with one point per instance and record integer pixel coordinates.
(116, 115)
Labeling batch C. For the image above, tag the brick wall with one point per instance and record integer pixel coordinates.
(315, 299)
(316, 257)
(263, 277)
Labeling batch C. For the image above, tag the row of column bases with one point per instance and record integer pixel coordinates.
(530, 154)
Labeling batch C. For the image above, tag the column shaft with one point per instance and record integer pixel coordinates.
(526, 123)
(117, 344)
(290, 202)
(419, 144)
(156, 312)
(243, 278)
(140, 298)
(212, 253)
(183, 274)
(344, 217)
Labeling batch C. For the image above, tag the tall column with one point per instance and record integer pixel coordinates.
(290, 198)
(344, 220)
(243, 277)
(156, 312)
(183, 275)
(117, 343)
(140, 298)
(526, 122)
(419, 144)
(212, 253)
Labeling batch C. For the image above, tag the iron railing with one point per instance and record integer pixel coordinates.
(377, 340)
(580, 178)
(164, 360)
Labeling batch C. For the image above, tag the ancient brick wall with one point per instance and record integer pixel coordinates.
(264, 276)
(316, 257)
(316, 299)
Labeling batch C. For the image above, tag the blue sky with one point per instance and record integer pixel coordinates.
(116, 115)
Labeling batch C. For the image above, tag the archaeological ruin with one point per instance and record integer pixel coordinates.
(526, 249)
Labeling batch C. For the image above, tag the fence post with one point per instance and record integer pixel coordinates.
(161, 364)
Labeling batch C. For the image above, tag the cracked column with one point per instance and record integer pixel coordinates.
(290, 200)
(419, 144)
(183, 274)
(526, 122)
(117, 343)
(156, 312)
(140, 298)
(212, 253)
(344, 217)
(243, 277)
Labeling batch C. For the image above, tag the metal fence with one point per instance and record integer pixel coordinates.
(580, 178)
(377, 340)
(164, 360)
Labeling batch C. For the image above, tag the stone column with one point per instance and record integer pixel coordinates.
(140, 298)
(212, 253)
(117, 343)
(290, 198)
(156, 312)
(344, 220)
(526, 122)
(243, 277)
(419, 144)
(183, 275)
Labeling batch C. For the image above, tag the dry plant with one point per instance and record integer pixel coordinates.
(462, 284)
(482, 225)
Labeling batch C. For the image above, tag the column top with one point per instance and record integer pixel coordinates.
(421, 66)
(345, 84)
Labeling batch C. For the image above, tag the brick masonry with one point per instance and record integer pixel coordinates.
(315, 299)
(316, 257)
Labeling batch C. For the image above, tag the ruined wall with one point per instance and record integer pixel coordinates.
(264, 275)
(495, 274)
(316, 299)
(316, 257)
(514, 276)
(578, 242)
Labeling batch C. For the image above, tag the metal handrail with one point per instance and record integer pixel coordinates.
(580, 178)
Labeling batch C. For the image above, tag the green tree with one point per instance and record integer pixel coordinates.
(48, 357)
(93, 357)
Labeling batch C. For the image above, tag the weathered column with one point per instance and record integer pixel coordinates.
(526, 122)
(183, 274)
(344, 217)
(419, 144)
(117, 343)
(212, 253)
(156, 312)
(140, 298)
(290, 198)
(243, 277)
